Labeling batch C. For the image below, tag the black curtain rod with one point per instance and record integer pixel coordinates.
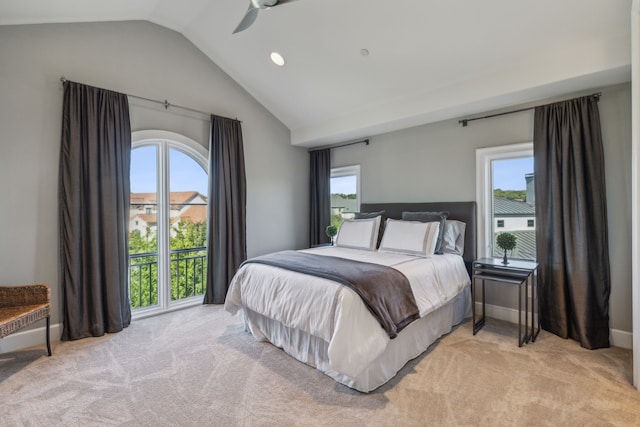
(464, 122)
(165, 103)
(364, 141)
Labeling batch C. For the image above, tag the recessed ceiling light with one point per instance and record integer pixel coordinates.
(277, 59)
(364, 52)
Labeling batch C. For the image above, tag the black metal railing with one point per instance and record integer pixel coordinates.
(143, 279)
(188, 268)
(188, 272)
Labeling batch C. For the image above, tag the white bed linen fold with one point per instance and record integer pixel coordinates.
(335, 313)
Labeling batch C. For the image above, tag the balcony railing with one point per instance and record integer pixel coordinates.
(188, 272)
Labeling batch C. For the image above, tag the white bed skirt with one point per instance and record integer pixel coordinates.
(409, 344)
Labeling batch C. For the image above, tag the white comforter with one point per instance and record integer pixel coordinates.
(334, 312)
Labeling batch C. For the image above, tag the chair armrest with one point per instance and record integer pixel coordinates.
(12, 296)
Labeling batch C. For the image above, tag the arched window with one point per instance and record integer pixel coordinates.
(168, 222)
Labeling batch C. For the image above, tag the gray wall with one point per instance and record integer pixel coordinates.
(437, 162)
(143, 59)
(425, 163)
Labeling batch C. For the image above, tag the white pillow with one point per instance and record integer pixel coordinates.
(453, 238)
(359, 233)
(410, 237)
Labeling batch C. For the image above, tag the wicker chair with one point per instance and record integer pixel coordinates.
(23, 305)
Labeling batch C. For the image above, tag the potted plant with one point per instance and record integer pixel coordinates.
(507, 242)
(331, 231)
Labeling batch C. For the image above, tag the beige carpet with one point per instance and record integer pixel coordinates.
(198, 367)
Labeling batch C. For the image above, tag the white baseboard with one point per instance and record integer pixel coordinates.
(30, 338)
(36, 337)
(617, 338)
(622, 339)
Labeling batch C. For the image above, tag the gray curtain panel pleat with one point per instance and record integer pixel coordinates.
(95, 157)
(320, 196)
(571, 230)
(226, 239)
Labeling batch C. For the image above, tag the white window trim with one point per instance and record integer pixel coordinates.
(199, 153)
(484, 187)
(348, 171)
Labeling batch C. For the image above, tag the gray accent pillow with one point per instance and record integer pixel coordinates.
(367, 215)
(453, 239)
(429, 217)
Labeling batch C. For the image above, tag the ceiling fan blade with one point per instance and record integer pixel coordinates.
(252, 12)
(249, 18)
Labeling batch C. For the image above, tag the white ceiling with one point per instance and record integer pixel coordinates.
(429, 59)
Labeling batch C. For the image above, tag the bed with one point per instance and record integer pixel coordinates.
(334, 328)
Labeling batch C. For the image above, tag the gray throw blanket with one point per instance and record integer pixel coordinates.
(384, 290)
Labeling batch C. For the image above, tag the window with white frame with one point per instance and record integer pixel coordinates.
(167, 230)
(506, 199)
(345, 193)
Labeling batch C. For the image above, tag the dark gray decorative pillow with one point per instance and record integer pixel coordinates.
(429, 217)
(367, 215)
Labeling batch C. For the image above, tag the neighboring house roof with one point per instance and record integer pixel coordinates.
(525, 245)
(183, 196)
(195, 214)
(142, 198)
(509, 207)
(175, 197)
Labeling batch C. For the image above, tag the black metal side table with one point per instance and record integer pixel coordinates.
(524, 274)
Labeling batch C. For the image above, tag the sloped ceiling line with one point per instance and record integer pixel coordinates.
(428, 60)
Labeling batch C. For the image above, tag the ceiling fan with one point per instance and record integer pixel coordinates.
(252, 12)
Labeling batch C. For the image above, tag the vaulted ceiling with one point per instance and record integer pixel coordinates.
(428, 60)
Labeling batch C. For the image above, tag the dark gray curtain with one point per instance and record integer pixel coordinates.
(95, 157)
(571, 230)
(226, 241)
(320, 193)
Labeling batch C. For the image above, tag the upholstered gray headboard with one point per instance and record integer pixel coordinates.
(461, 211)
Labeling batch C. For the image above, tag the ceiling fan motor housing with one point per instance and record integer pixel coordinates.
(263, 4)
